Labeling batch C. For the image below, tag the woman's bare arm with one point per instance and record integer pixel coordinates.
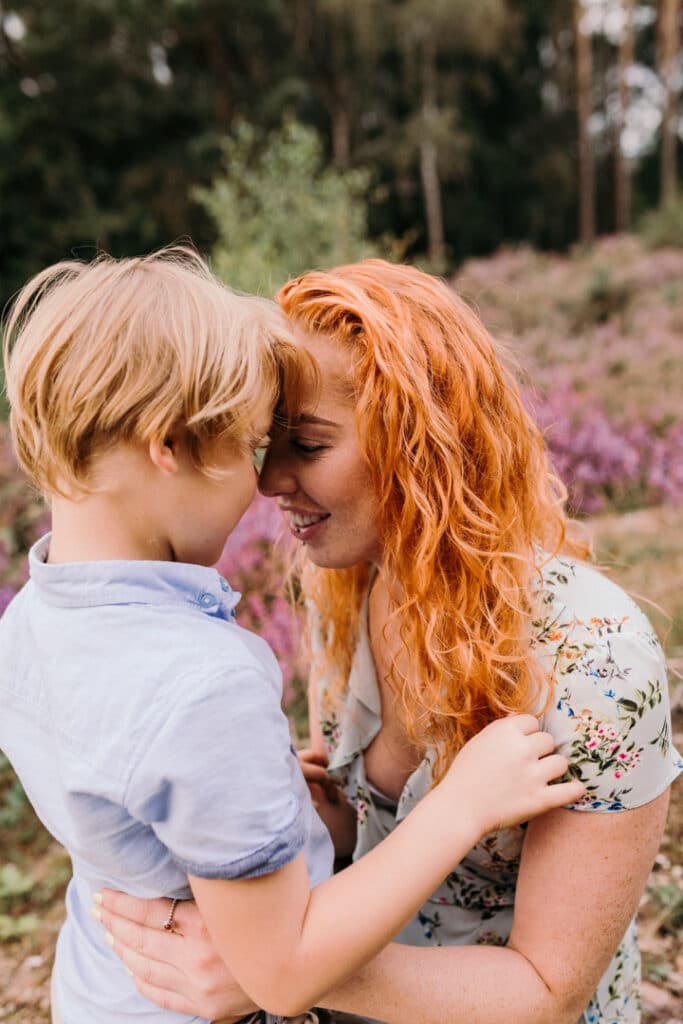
(580, 881)
(287, 944)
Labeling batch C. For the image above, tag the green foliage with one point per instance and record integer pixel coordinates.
(664, 227)
(603, 298)
(13, 804)
(669, 899)
(15, 887)
(13, 883)
(112, 114)
(17, 927)
(279, 211)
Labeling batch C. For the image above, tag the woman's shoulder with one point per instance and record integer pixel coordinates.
(576, 598)
(609, 712)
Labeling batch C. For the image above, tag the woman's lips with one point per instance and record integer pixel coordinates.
(305, 524)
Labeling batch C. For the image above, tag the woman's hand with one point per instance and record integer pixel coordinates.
(178, 970)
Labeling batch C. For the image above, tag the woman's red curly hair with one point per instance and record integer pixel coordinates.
(467, 504)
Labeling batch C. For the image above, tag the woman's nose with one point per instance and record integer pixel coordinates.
(276, 477)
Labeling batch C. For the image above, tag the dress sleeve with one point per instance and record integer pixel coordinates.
(216, 783)
(611, 716)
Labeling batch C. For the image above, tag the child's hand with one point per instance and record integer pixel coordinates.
(314, 767)
(501, 776)
(330, 802)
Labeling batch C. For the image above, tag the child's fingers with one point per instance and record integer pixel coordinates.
(528, 724)
(309, 756)
(554, 766)
(541, 743)
(563, 793)
(315, 773)
(328, 786)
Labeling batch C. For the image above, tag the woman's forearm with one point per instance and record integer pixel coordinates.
(486, 984)
(579, 883)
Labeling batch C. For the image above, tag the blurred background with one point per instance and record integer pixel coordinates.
(527, 150)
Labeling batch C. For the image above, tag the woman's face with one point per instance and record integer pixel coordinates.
(318, 474)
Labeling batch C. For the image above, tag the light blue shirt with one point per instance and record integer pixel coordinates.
(146, 728)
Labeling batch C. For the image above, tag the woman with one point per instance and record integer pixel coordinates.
(445, 587)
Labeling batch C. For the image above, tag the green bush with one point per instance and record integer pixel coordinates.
(280, 211)
(664, 227)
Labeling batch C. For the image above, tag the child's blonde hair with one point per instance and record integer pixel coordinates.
(126, 350)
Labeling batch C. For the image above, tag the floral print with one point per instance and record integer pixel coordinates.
(609, 716)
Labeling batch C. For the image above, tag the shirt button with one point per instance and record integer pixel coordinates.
(206, 600)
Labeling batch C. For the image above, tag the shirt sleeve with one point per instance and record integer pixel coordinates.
(611, 716)
(215, 784)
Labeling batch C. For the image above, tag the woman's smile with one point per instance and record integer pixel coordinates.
(304, 525)
(315, 468)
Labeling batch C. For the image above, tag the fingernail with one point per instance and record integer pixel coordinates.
(96, 913)
(97, 897)
(109, 937)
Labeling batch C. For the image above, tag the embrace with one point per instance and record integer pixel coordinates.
(490, 729)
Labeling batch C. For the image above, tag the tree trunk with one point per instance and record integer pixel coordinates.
(218, 63)
(338, 87)
(584, 106)
(622, 161)
(301, 28)
(341, 121)
(669, 32)
(429, 164)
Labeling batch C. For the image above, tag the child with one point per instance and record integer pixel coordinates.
(143, 722)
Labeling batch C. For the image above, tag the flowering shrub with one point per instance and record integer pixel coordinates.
(598, 336)
(23, 517)
(255, 562)
(606, 464)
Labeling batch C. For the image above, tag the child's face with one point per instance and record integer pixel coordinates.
(317, 472)
(208, 509)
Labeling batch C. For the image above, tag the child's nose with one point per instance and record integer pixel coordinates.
(275, 477)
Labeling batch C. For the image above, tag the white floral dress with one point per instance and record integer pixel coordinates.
(610, 717)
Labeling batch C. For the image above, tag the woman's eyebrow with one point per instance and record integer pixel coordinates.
(317, 420)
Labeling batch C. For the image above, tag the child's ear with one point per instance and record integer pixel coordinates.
(164, 454)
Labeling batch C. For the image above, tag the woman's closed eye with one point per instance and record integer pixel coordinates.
(307, 447)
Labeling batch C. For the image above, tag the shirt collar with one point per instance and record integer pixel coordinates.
(89, 584)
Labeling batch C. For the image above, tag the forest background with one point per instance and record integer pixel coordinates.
(528, 150)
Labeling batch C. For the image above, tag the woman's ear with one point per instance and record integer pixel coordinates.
(164, 454)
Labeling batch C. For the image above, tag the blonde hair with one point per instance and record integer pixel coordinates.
(467, 503)
(126, 350)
